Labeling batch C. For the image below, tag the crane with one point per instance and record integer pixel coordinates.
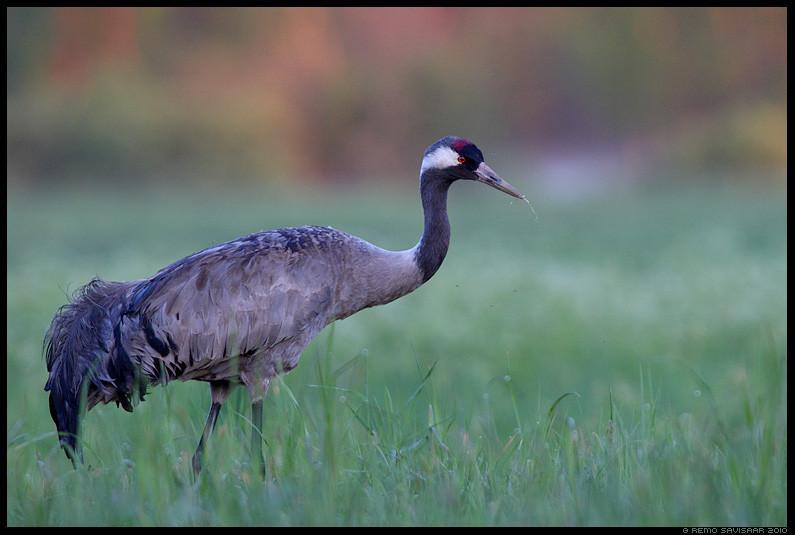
(240, 312)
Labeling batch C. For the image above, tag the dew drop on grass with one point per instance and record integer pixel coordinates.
(571, 423)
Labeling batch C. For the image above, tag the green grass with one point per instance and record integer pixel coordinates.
(620, 361)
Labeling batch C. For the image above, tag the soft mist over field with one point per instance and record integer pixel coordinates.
(620, 359)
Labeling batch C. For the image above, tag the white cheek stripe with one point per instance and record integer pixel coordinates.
(441, 158)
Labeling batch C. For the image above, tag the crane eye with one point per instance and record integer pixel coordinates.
(461, 159)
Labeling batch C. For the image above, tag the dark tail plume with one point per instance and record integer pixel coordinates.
(78, 347)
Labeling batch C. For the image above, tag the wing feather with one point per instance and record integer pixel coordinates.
(237, 299)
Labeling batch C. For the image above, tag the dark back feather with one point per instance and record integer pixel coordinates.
(78, 346)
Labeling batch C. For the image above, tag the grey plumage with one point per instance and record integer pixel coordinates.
(236, 313)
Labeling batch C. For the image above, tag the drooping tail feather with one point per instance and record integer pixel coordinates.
(79, 347)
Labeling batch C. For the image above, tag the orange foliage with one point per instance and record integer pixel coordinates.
(316, 91)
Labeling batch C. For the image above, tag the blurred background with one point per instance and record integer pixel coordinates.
(305, 94)
(620, 359)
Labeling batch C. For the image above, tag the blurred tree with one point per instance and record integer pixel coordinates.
(88, 40)
(320, 93)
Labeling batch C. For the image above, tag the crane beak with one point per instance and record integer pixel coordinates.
(486, 174)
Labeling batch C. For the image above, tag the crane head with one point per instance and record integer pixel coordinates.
(460, 159)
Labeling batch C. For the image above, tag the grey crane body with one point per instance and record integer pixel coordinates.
(242, 311)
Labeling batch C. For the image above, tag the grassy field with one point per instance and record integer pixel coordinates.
(622, 360)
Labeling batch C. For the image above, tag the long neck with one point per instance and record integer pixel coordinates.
(432, 248)
(376, 276)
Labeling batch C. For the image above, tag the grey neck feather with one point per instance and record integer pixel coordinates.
(378, 276)
(433, 245)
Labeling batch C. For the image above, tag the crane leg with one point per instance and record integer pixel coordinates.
(256, 436)
(257, 392)
(219, 391)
